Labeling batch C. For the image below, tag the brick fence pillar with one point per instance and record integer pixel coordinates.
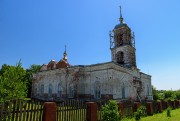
(159, 106)
(49, 111)
(120, 109)
(149, 107)
(91, 113)
(136, 106)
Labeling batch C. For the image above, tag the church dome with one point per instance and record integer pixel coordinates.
(120, 25)
(51, 65)
(63, 63)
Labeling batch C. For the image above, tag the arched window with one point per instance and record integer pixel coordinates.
(71, 91)
(120, 57)
(123, 91)
(35, 90)
(147, 90)
(42, 90)
(50, 90)
(97, 90)
(119, 40)
(59, 91)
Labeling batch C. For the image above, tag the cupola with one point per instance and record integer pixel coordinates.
(63, 63)
(122, 44)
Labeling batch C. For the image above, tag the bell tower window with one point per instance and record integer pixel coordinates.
(120, 58)
(119, 40)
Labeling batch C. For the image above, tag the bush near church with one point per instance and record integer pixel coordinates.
(110, 111)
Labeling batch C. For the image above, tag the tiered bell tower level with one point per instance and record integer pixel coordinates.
(122, 44)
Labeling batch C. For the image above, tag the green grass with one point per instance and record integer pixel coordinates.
(175, 116)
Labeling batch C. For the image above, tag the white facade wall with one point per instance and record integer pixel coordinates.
(94, 80)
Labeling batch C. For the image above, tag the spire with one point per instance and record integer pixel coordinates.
(121, 18)
(65, 54)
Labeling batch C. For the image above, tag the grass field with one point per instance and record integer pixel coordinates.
(175, 116)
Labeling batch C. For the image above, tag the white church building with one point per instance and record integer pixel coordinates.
(118, 79)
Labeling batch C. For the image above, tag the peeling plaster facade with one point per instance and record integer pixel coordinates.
(105, 80)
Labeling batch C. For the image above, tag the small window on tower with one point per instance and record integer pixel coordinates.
(119, 40)
(120, 58)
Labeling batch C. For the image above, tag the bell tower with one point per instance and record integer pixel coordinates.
(122, 44)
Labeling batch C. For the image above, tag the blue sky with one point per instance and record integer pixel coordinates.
(36, 31)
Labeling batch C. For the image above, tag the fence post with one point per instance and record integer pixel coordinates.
(91, 113)
(174, 104)
(166, 104)
(149, 108)
(136, 106)
(159, 106)
(49, 111)
(163, 104)
(120, 109)
(177, 103)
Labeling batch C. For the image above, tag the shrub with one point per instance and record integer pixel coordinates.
(137, 116)
(110, 111)
(142, 111)
(168, 113)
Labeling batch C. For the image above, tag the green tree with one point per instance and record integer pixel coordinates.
(177, 94)
(155, 93)
(168, 94)
(29, 76)
(34, 68)
(161, 95)
(12, 82)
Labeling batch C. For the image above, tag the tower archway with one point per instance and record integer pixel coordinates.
(120, 57)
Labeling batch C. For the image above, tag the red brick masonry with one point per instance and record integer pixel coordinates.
(49, 111)
(92, 111)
